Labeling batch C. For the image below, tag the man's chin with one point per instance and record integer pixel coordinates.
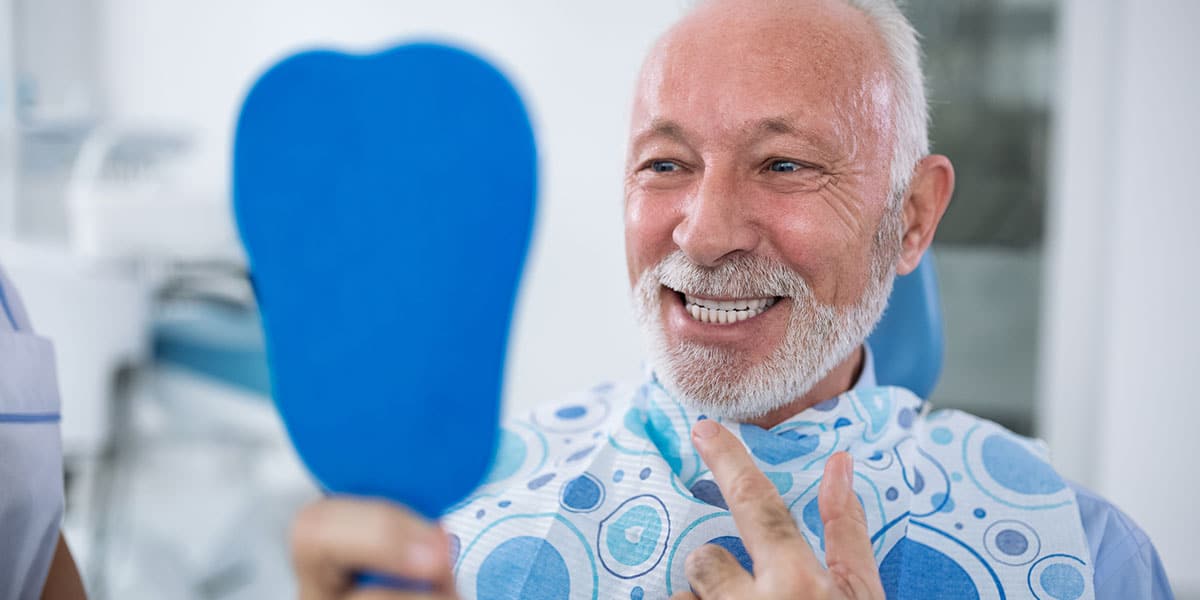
(727, 389)
(731, 407)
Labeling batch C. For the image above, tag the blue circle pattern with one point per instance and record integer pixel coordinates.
(941, 577)
(941, 436)
(1014, 467)
(582, 494)
(1057, 577)
(633, 538)
(503, 573)
(1062, 582)
(1012, 542)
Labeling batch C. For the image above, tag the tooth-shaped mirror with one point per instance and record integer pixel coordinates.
(386, 203)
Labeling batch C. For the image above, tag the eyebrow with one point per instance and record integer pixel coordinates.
(773, 126)
(755, 131)
(662, 128)
(782, 126)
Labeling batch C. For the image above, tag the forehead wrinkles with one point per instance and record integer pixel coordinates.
(730, 67)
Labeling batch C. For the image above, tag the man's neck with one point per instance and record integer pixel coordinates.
(839, 381)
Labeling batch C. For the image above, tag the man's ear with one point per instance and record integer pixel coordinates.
(924, 204)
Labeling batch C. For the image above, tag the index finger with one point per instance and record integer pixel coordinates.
(763, 520)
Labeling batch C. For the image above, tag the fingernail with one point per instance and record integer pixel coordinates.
(705, 429)
(423, 556)
(848, 470)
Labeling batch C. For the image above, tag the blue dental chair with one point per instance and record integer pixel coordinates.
(908, 341)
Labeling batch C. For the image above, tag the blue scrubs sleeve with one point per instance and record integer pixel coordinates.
(1125, 561)
(31, 483)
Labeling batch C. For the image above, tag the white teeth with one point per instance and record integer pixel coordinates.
(724, 312)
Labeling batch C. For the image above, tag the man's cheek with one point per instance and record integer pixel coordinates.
(648, 238)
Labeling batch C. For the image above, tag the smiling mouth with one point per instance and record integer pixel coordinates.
(725, 312)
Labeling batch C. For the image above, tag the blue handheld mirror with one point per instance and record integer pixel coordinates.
(386, 203)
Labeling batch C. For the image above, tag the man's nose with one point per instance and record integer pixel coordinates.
(715, 225)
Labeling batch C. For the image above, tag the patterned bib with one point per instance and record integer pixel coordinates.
(603, 496)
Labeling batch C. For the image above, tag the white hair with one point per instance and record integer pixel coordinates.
(900, 40)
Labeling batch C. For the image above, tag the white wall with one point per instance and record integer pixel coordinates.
(8, 119)
(190, 63)
(1119, 400)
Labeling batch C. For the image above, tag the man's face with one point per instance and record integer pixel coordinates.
(758, 236)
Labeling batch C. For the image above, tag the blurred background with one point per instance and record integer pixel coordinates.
(1067, 259)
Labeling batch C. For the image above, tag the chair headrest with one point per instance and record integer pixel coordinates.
(908, 343)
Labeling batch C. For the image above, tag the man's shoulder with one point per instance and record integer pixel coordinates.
(1124, 559)
(1101, 515)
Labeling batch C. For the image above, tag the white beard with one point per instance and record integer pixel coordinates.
(722, 383)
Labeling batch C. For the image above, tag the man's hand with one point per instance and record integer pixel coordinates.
(784, 565)
(336, 539)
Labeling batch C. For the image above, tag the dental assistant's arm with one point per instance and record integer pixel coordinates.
(63, 582)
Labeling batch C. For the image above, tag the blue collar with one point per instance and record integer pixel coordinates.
(866, 379)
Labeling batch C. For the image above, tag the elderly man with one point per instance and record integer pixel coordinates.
(778, 179)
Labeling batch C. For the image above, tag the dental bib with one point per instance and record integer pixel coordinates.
(603, 496)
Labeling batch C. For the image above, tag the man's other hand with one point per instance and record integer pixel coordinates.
(784, 565)
(337, 539)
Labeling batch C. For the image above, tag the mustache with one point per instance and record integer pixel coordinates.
(742, 276)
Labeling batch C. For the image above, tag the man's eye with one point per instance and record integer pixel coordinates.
(785, 166)
(664, 166)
